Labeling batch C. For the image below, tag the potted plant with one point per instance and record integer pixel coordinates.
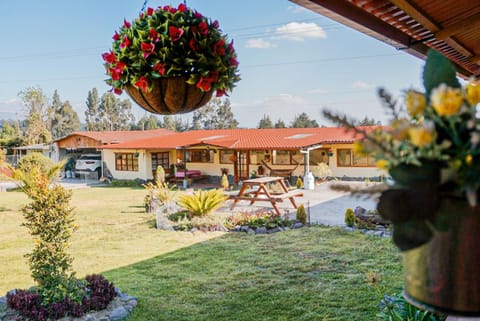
(171, 60)
(432, 152)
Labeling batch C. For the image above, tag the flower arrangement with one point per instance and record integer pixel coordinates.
(431, 149)
(171, 42)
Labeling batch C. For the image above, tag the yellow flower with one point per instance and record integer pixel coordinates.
(446, 101)
(415, 103)
(400, 128)
(421, 136)
(469, 159)
(382, 164)
(359, 148)
(473, 92)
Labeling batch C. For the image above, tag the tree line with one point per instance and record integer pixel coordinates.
(50, 119)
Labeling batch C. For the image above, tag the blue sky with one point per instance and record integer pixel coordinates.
(291, 60)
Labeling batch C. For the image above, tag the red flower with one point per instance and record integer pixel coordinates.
(203, 27)
(166, 8)
(233, 62)
(125, 43)
(193, 45)
(220, 93)
(116, 36)
(175, 33)
(117, 91)
(197, 15)
(215, 24)
(142, 84)
(114, 73)
(219, 48)
(173, 10)
(147, 48)
(153, 34)
(160, 68)
(120, 66)
(204, 84)
(109, 57)
(230, 47)
(126, 24)
(213, 76)
(182, 7)
(150, 11)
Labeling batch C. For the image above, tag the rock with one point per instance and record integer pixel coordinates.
(244, 228)
(162, 222)
(297, 225)
(194, 229)
(250, 231)
(261, 230)
(378, 233)
(275, 230)
(118, 314)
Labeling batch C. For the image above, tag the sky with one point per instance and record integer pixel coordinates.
(292, 60)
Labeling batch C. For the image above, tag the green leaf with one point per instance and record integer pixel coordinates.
(438, 69)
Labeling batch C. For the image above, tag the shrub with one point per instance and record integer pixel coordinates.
(301, 214)
(159, 191)
(267, 219)
(224, 183)
(203, 202)
(349, 217)
(160, 175)
(96, 295)
(299, 183)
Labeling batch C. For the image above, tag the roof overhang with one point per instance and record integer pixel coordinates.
(452, 27)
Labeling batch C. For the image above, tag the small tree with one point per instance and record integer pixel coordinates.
(160, 175)
(225, 184)
(50, 221)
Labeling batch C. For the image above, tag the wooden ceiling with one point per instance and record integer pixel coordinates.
(452, 27)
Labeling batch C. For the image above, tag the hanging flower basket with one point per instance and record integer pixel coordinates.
(442, 275)
(169, 96)
(171, 60)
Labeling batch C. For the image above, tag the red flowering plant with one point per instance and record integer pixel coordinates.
(171, 42)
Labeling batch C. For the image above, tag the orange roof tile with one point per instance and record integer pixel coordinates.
(275, 138)
(120, 136)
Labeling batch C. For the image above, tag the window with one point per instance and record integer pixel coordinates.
(199, 156)
(319, 156)
(256, 156)
(281, 157)
(226, 156)
(160, 159)
(126, 162)
(346, 157)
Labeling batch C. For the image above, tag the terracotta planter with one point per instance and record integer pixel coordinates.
(170, 96)
(443, 274)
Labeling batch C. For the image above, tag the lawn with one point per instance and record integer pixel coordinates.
(315, 273)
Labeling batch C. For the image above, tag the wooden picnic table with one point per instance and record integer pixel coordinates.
(256, 190)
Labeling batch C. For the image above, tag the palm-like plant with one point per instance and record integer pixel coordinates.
(203, 202)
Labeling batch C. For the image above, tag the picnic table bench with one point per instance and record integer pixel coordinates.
(256, 190)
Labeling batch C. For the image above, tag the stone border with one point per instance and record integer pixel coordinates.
(120, 307)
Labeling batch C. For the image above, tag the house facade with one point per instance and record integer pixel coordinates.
(241, 153)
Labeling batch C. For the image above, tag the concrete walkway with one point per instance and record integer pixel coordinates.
(326, 206)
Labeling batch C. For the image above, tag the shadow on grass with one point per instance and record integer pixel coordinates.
(315, 273)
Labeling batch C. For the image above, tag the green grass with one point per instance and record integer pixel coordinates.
(315, 273)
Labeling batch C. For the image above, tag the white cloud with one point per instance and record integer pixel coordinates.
(362, 85)
(318, 91)
(299, 31)
(296, 9)
(259, 43)
(283, 100)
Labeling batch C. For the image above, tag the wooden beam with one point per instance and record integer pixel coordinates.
(475, 59)
(430, 25)
(416, 14)
(457, 27)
